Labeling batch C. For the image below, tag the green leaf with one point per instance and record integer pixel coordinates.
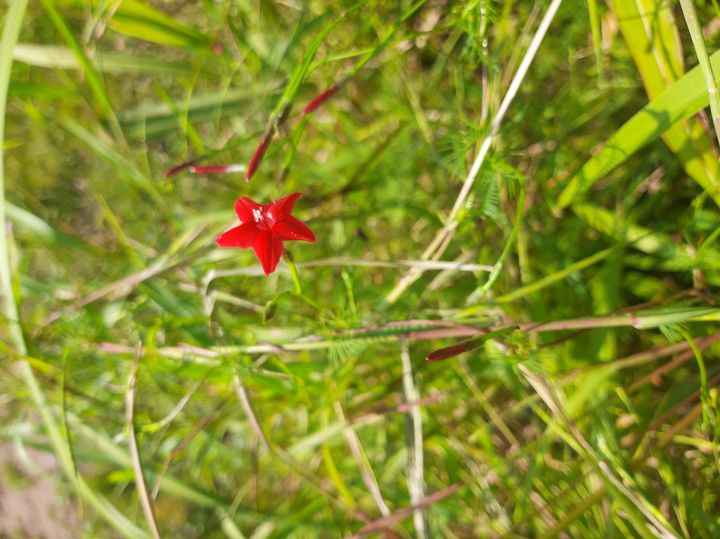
(680, 101)
(652, 36)
(140, 20)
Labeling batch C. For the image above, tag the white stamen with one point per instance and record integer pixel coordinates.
(257, 215)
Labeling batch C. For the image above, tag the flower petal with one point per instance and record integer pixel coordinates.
(291, 228)
(244, 209)
(281, 209)
(241, 236)
(268, 248)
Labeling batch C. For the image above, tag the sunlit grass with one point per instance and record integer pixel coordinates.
(538, 208)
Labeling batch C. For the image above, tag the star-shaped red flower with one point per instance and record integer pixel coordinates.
(265, 228)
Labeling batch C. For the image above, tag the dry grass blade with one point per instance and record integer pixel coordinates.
(552, 400)
(656, 375)
(414, 441)
(366, 472)
(404, 513)
(10, 34)
(244, 399)
(182, 445)
(140, 484)
(646, 357)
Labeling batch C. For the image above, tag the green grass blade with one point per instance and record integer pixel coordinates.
(142, 21)
(699, 45)
(684, 98)
(104, 150)
(652, 36)
(545, 281)
(596, 29)
(42, 230)
(54, 56)
(97, 87)
(676, 256)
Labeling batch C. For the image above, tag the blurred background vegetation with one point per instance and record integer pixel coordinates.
(255, 406)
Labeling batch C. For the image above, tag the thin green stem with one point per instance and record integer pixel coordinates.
(379, 48)
(546, 281)
(294, 273)
(704, 395)
(596, 30)
(480, 292)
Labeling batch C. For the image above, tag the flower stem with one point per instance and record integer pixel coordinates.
(480, 292)
(294, 273)
(699, 45)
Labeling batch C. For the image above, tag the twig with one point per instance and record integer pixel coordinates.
(132, 443)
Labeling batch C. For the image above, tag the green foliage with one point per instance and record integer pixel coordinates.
(575, 302)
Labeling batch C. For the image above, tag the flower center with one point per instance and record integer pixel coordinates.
(257, 215)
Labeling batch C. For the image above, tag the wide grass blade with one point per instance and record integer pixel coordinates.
(680, 101)
(142, 21)
(53, 56)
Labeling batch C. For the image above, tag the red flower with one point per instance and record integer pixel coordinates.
(265, 228)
